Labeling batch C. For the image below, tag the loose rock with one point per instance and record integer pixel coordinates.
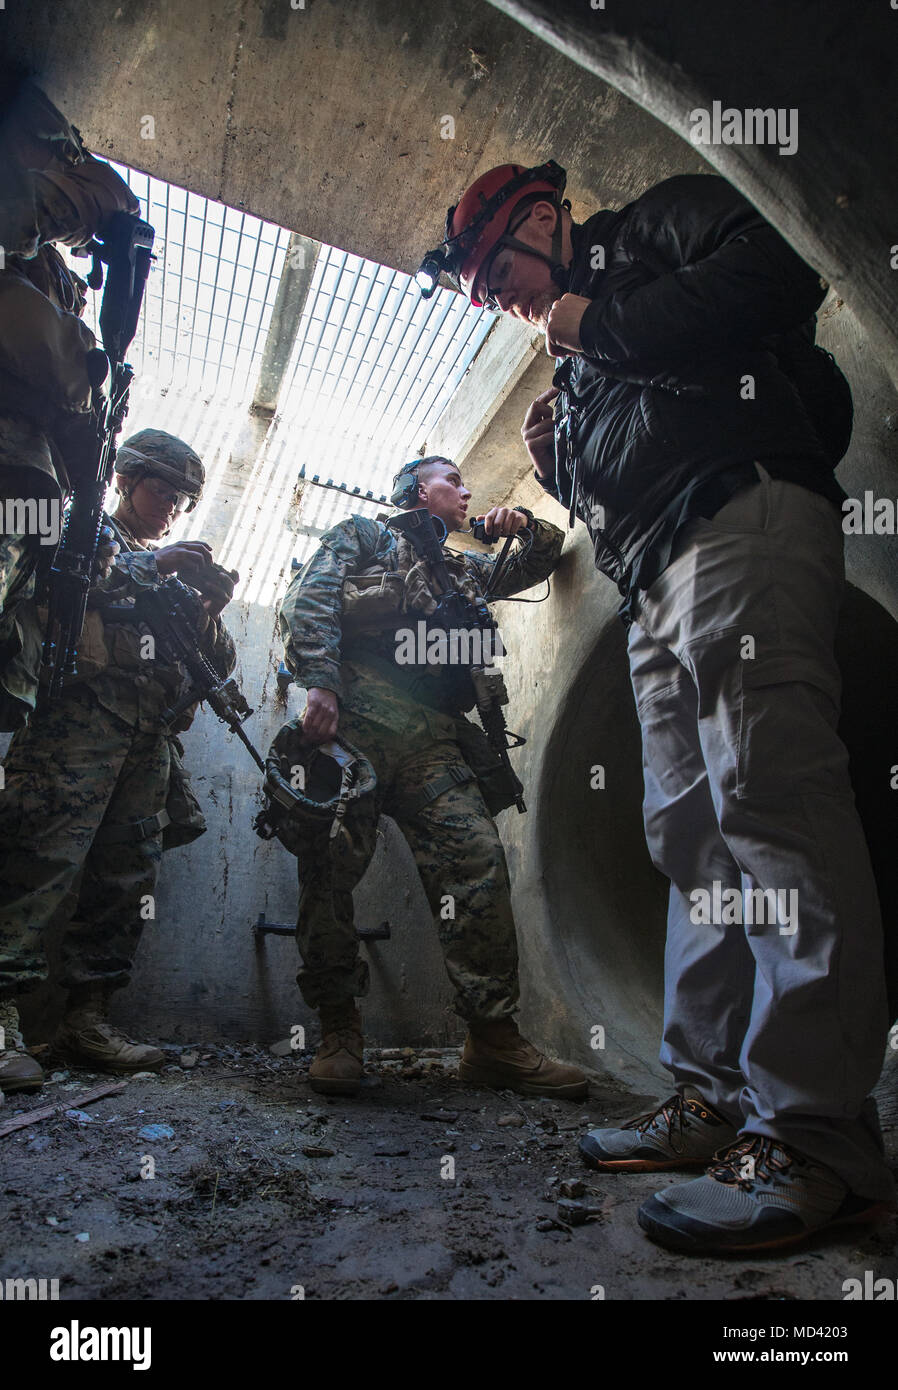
(156, 1132)
(576, 1213)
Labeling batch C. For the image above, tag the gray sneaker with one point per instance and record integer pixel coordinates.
(684, 1132)
(757, 1196)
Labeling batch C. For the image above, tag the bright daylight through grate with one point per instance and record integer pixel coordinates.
(372, 366)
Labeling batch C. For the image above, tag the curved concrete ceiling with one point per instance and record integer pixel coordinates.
(836, 197)
(330, 119)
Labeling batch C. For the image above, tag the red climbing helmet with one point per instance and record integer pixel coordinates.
(478, 225)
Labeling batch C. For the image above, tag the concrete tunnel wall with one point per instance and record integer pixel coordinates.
(589, 906)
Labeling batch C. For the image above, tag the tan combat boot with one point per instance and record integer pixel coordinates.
(496, 1055)
(337, 1068)
(88, 1038)
(18, 1071)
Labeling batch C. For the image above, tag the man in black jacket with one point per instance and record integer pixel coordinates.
(704, 475)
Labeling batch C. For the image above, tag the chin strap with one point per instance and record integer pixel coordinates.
(560, 273)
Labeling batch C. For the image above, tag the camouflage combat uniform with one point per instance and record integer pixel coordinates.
(30, 467)
(44, 388)
(339, 621)
(86, 783)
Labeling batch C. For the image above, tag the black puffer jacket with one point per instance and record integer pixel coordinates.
(695, 292)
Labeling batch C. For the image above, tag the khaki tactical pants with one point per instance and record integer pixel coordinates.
(774, 1006)
(460, 858)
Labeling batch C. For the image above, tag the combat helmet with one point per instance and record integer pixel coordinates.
(310, 788)
(165, 456)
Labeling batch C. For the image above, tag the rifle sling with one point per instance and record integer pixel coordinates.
(133, 830)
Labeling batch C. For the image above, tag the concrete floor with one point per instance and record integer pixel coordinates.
(264, 1187)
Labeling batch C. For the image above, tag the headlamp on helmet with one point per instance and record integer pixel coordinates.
(478, 225)
(427, 276)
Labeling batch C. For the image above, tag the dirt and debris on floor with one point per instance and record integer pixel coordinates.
(226, 1177)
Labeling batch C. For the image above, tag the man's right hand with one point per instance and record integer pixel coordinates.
(538, 433)
(191, 561)
(319, 723)
(107, 549)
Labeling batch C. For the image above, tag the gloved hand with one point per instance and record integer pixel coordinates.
(75, 206)
(217, 588)
(192, 562)
(107, 549)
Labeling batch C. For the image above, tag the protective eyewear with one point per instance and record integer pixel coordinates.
(166, 493)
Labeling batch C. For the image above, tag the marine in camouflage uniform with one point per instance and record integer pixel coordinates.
(83, 814)
(51, 190)
(339, 621)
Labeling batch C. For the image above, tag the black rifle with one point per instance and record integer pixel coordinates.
(172, 611)
(472, 684)
(127, 252)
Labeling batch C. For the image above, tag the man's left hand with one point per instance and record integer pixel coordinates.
(563, 325)
(503, 521)
(218, 589)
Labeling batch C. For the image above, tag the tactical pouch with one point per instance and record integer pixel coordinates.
(498, 787)
(186, 820)
(93, 653)
(372, 601)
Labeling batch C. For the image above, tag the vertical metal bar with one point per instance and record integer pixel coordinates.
(224, 221)
(227, 315)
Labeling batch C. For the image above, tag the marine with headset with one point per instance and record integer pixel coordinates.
(341, 622)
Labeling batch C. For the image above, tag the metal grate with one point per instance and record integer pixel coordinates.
(210, 293)
(371, 369)
(373, 364)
